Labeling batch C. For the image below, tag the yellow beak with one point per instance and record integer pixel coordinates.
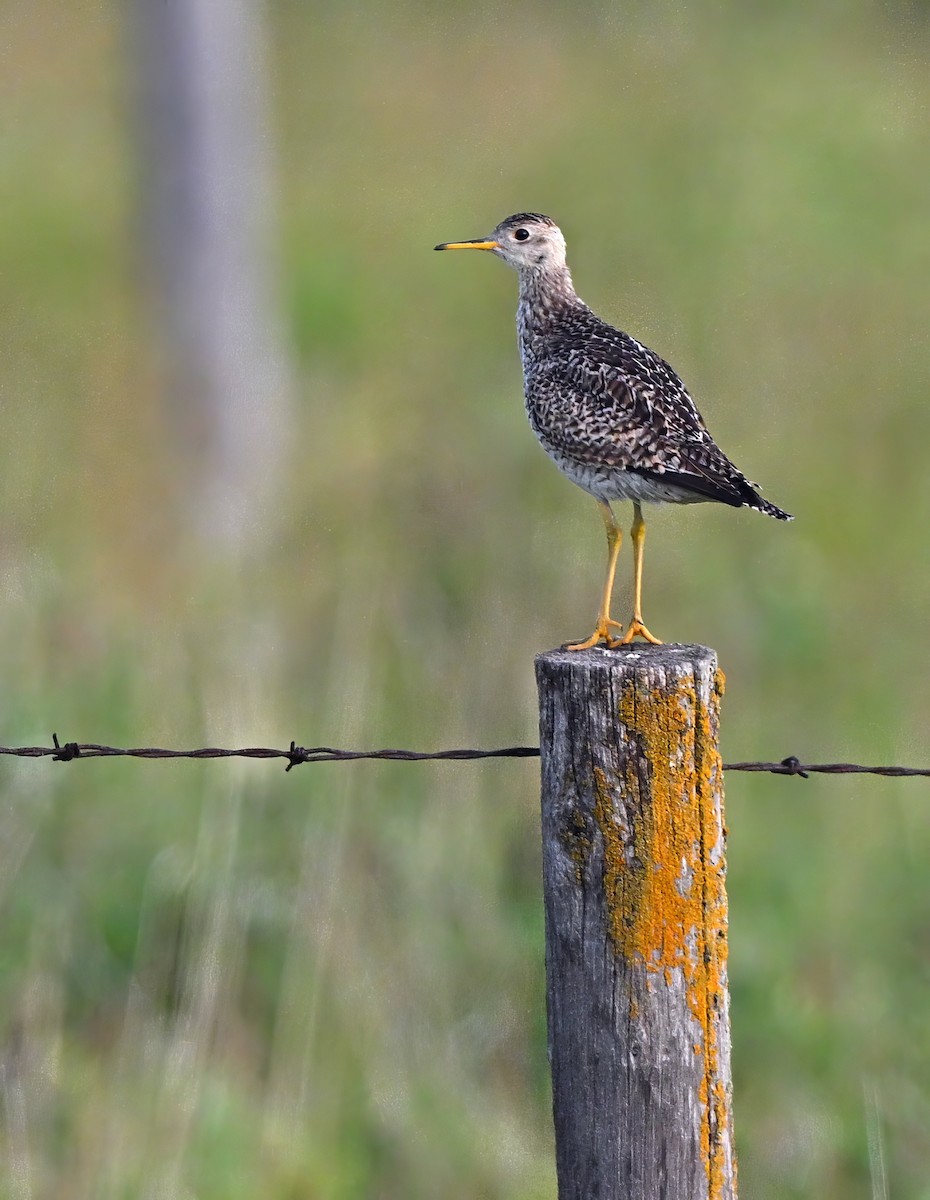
(475, 244)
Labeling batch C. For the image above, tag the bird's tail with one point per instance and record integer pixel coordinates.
(760, 504)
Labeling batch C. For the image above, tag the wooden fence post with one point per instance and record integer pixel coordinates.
(636, 923)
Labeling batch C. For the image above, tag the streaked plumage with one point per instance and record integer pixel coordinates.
(610, 412)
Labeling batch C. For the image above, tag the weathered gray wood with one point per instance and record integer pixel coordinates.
(636, 923)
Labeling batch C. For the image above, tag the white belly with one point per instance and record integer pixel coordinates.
(609, 483)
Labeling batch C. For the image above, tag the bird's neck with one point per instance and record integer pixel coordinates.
(544, 296)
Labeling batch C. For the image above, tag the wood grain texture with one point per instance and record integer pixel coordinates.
(636, 923)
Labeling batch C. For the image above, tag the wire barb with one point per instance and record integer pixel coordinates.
(295, 755)
(793, 767)
(65, 753)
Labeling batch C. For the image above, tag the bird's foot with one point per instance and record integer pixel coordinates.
(637, 629)
(601, 634)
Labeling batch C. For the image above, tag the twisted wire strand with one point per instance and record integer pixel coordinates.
(297, 755)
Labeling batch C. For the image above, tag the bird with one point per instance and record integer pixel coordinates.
(613, 416)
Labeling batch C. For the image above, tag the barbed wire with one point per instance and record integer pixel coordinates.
(297, 755)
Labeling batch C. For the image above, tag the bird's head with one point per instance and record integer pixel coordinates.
(525, 241)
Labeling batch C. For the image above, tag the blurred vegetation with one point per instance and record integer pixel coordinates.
(219, 981)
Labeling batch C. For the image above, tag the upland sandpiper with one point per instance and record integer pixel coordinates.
(613, 416)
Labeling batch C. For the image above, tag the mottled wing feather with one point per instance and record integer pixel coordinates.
(628, 409)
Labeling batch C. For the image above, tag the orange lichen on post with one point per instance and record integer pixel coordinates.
(664, 869)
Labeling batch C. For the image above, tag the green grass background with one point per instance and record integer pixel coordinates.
(221, 981)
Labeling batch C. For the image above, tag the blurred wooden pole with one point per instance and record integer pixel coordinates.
(207, 221)
(636, 923)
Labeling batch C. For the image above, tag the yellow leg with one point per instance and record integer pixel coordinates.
(636, 628)
(604, 622)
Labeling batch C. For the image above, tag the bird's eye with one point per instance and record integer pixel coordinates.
(522, 234)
